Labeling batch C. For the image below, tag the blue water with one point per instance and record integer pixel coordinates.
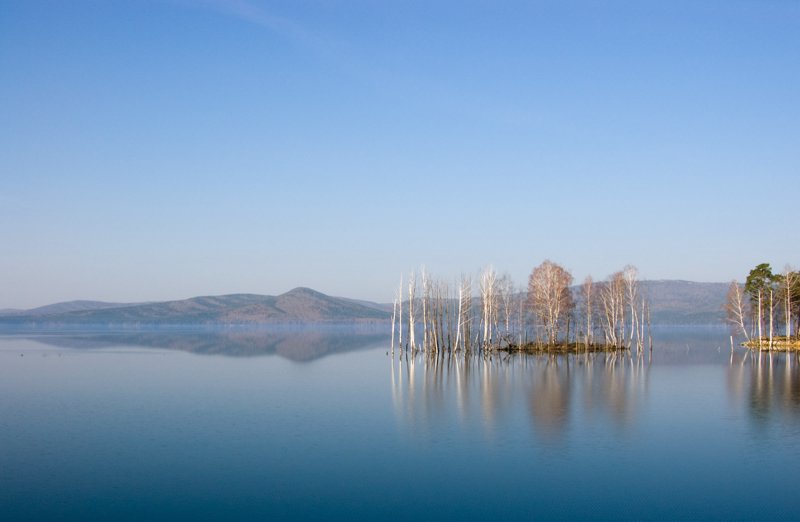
(119, 428)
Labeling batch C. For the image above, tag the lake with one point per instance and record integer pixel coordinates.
(326, 425)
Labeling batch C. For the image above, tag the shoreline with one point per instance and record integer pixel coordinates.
(562, 348)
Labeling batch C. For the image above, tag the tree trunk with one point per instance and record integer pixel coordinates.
(412, 285)
(394, 320)
(760, 320)
(771, 316)
(425, 297)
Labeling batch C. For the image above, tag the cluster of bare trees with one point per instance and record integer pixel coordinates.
(624, 310)
(766, 309)
(450, 318)
(455, 320)
(614, 308)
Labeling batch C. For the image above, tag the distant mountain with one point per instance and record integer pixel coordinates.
(68, 306)
(298, 306)
(672, 302)
(385, 307)
(685, 302)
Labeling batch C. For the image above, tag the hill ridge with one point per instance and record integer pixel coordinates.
(300, 305)
(672, 301)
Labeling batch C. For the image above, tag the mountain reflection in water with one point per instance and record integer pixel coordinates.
(557, 392)
(295, 344)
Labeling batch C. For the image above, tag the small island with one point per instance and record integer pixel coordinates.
(550, 316)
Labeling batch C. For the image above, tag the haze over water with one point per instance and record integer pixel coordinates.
(129, 432)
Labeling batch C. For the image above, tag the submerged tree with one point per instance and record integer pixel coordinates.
(464, 314)
(630, 275)
(488, 289)
(587, 303)
(412, 290)
(506, 305)
(612, 302)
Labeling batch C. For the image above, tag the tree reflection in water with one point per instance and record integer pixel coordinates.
(488, 393)
(768, 383)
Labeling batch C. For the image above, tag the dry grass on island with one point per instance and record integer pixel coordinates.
(777, 344)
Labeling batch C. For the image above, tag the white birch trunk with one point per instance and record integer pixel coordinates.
(771, 316)
(394, 320)
(458, 321)
(760, 320)
(400, 318)
(412, 286)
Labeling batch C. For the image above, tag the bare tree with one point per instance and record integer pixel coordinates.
(790, 279)
(521, 321)
(487, 288)
(464, 313)
(505, 289)
(630, 274)
(612, 300)
(400, 314)
(441, 311)
(394, 321)
(445, 313)
(760, 317)
(771, 313)
(436, 315)
(549, 297)
(426, 297)
(458, 320)
(412, 290)
(587, 301)
(735, 308)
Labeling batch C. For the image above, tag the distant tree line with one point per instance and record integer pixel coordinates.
(766, 309)
(491, 313)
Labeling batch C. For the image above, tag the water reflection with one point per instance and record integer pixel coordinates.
(295, 344)
(558, 393)
(768, 384)
(691, 345)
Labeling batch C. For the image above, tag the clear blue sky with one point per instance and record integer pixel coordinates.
(160, 149)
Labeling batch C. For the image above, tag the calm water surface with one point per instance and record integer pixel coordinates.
(328, 426)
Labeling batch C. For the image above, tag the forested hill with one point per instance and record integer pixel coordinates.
(685, 302)
(298, 306)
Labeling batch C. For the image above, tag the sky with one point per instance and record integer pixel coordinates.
(164, 149)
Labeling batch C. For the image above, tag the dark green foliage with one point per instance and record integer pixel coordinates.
(767, 292)
(759, 281)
